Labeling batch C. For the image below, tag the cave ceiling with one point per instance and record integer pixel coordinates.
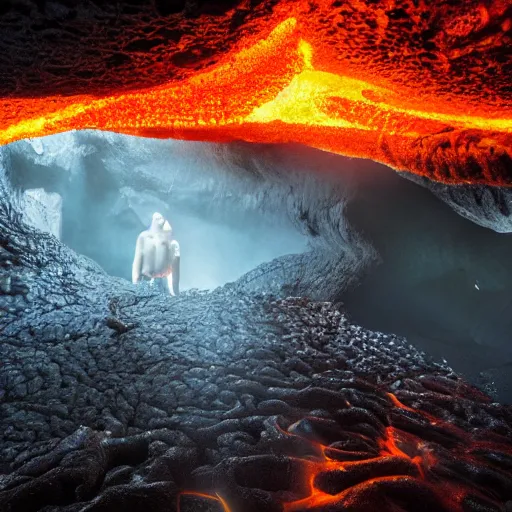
(423, 87)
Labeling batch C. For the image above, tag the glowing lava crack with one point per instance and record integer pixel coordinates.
(308, 413)
(292, 86)
(405, 460)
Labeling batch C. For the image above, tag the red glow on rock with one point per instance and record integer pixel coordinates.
(405, 461)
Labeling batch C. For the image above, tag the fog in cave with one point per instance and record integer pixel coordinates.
(213, 252)
(427, 273)
(445, 283)
(100, 218)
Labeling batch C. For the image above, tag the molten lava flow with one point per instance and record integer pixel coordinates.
(405, 467)
(391, 451)
(302, 84)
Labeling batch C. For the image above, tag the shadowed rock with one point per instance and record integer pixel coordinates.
(235, 395)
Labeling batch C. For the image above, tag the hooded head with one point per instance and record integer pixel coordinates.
(158, 221)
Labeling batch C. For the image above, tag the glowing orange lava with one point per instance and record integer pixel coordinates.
(200, 495)
(293, 86)
(403, 460)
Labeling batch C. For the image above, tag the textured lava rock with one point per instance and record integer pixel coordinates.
(429, 84)
(456, 49)
(223, 397)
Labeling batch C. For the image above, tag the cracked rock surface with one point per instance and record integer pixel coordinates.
(114, 398)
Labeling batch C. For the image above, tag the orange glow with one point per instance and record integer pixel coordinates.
(290, 86)
(217, 497)
(402, 462)
(389, 447)
(396, 445)
(399, 404)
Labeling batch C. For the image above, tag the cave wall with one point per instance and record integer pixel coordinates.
(444, 281)
(43, 210)
(400, 259)
(490, 207)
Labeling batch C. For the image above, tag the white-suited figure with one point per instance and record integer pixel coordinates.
(157, 257)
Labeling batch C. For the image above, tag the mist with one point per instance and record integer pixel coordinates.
(289, 220)
(98, 209)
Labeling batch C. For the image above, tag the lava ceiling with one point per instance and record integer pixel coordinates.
(421, 86)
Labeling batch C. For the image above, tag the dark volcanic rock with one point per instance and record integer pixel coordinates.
(490, 207)
(114, 398)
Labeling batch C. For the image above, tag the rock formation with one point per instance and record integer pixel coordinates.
(264, 395)
(244, 398)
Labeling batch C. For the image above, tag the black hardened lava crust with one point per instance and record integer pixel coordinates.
(113, 398)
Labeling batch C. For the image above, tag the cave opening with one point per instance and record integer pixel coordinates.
(287, 220)
(362, 288)
(98, 199)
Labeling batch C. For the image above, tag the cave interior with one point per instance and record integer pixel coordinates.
(338, 175)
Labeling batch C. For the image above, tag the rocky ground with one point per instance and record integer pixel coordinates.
(253, 397)
(113, 398)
